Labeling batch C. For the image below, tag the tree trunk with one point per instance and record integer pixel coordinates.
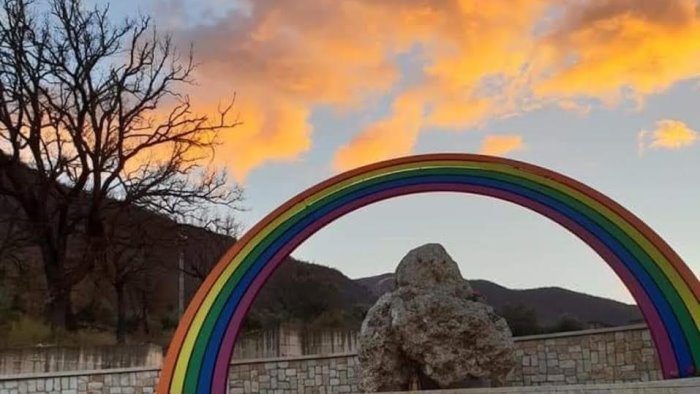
(144, 312)
(59, 311)
(121, 313)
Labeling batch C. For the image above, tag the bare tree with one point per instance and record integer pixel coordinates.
(124, 261)
(202, 249)
(91, 119)
(134, 236)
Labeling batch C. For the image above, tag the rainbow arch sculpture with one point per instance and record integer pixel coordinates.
(663, 286)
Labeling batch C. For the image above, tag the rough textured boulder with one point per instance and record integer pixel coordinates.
(434, 328)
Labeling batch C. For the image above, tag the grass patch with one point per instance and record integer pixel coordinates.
(28, 331)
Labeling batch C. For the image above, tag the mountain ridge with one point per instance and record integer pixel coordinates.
(549, 303)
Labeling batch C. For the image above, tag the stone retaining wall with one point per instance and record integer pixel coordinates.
(332, 374)
(603, 356)
(75, 358)
(106, 381)
(290, 341)
(134, 380)
(623, 354)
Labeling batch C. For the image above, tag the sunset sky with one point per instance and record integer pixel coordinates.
(607, 92)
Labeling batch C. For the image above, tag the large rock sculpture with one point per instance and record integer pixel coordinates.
(432, 326)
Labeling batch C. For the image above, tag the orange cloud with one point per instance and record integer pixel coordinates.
(607, 49)
(669, 134)
(391, 137)
(282, 60)
(466, 67)
(471, 61)
(501, 145)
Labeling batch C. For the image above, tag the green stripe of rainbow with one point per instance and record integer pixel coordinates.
(664, 287)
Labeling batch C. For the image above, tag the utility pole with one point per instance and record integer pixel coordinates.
(181, 276)
(181, 284)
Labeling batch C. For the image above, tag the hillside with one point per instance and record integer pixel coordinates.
(548, 303)
(300, 292)
(310, 294)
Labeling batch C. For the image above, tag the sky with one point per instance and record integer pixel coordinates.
(605, 91)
